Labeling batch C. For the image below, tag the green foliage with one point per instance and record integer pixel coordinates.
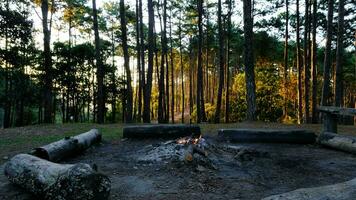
(268, 99)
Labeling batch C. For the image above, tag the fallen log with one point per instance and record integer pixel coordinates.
(339, 142)
(68, 146)
(49, 180)
(268, 136)
(160, 131)
(340, 191)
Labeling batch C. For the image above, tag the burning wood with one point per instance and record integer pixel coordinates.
(195, 144)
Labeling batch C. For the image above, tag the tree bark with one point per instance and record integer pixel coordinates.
(100, 69)
(200, 92)
(161, 88)
(172, 65)
(339, 57)
(299, 68)
(325, 95)
(68, 146)
(48, 106)
(138, 52)
(313, 64)
(129, 93)
(306, 62)
(142, 53)
(181, 64)
(221, 64)
(285, 74)
(249, 61)
(57, 181)
(7, 109)
(148, 85)
(227, 94)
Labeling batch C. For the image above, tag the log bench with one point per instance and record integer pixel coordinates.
(330, 116)
(160, 131)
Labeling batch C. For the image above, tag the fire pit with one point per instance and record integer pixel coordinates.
(201, 166)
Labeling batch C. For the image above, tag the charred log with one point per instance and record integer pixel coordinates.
(68, 146)
(57, 181)
(339, 142)
(191, 150)
(268, 136)
(160, 131)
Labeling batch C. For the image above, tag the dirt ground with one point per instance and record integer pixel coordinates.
(274, 169)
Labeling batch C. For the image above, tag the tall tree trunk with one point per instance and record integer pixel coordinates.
(181, 63)
(167, 100)
(221, 64)
(161, 88)
(99, 68)
(148, 85)
(138, 52)
(325, 94)
(190, 81)
(306, 62)
(313, 64)
(285, 75)
(249, 61)
(129, 93)
(48, 110)
(200, 92)
(299, 69)
(339, 56)
(113, 79)
(207, 51)
(142, 53)
(227, 94)
(7, 109)
(172, 64)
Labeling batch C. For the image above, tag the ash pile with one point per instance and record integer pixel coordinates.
(189, 150)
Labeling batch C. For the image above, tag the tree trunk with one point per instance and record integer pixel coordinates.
(48, 110)
(7, 108)
(221, 64)
(227, 97)
(161, 88)
(142, 53)
(314, 68)
(325, 95)
(249, 61)
(306, 62)
(129, 93)
(148, 84)
(299, 69)
(100, 69)
(339, 57)
(138, 52)
(57, 181)
(68, 146)
(285, 74)
(200, 92)
(181, 64)
(190, 81)
(172, 65)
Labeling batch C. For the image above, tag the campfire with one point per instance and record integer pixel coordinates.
(194, 144)
(192, 150)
